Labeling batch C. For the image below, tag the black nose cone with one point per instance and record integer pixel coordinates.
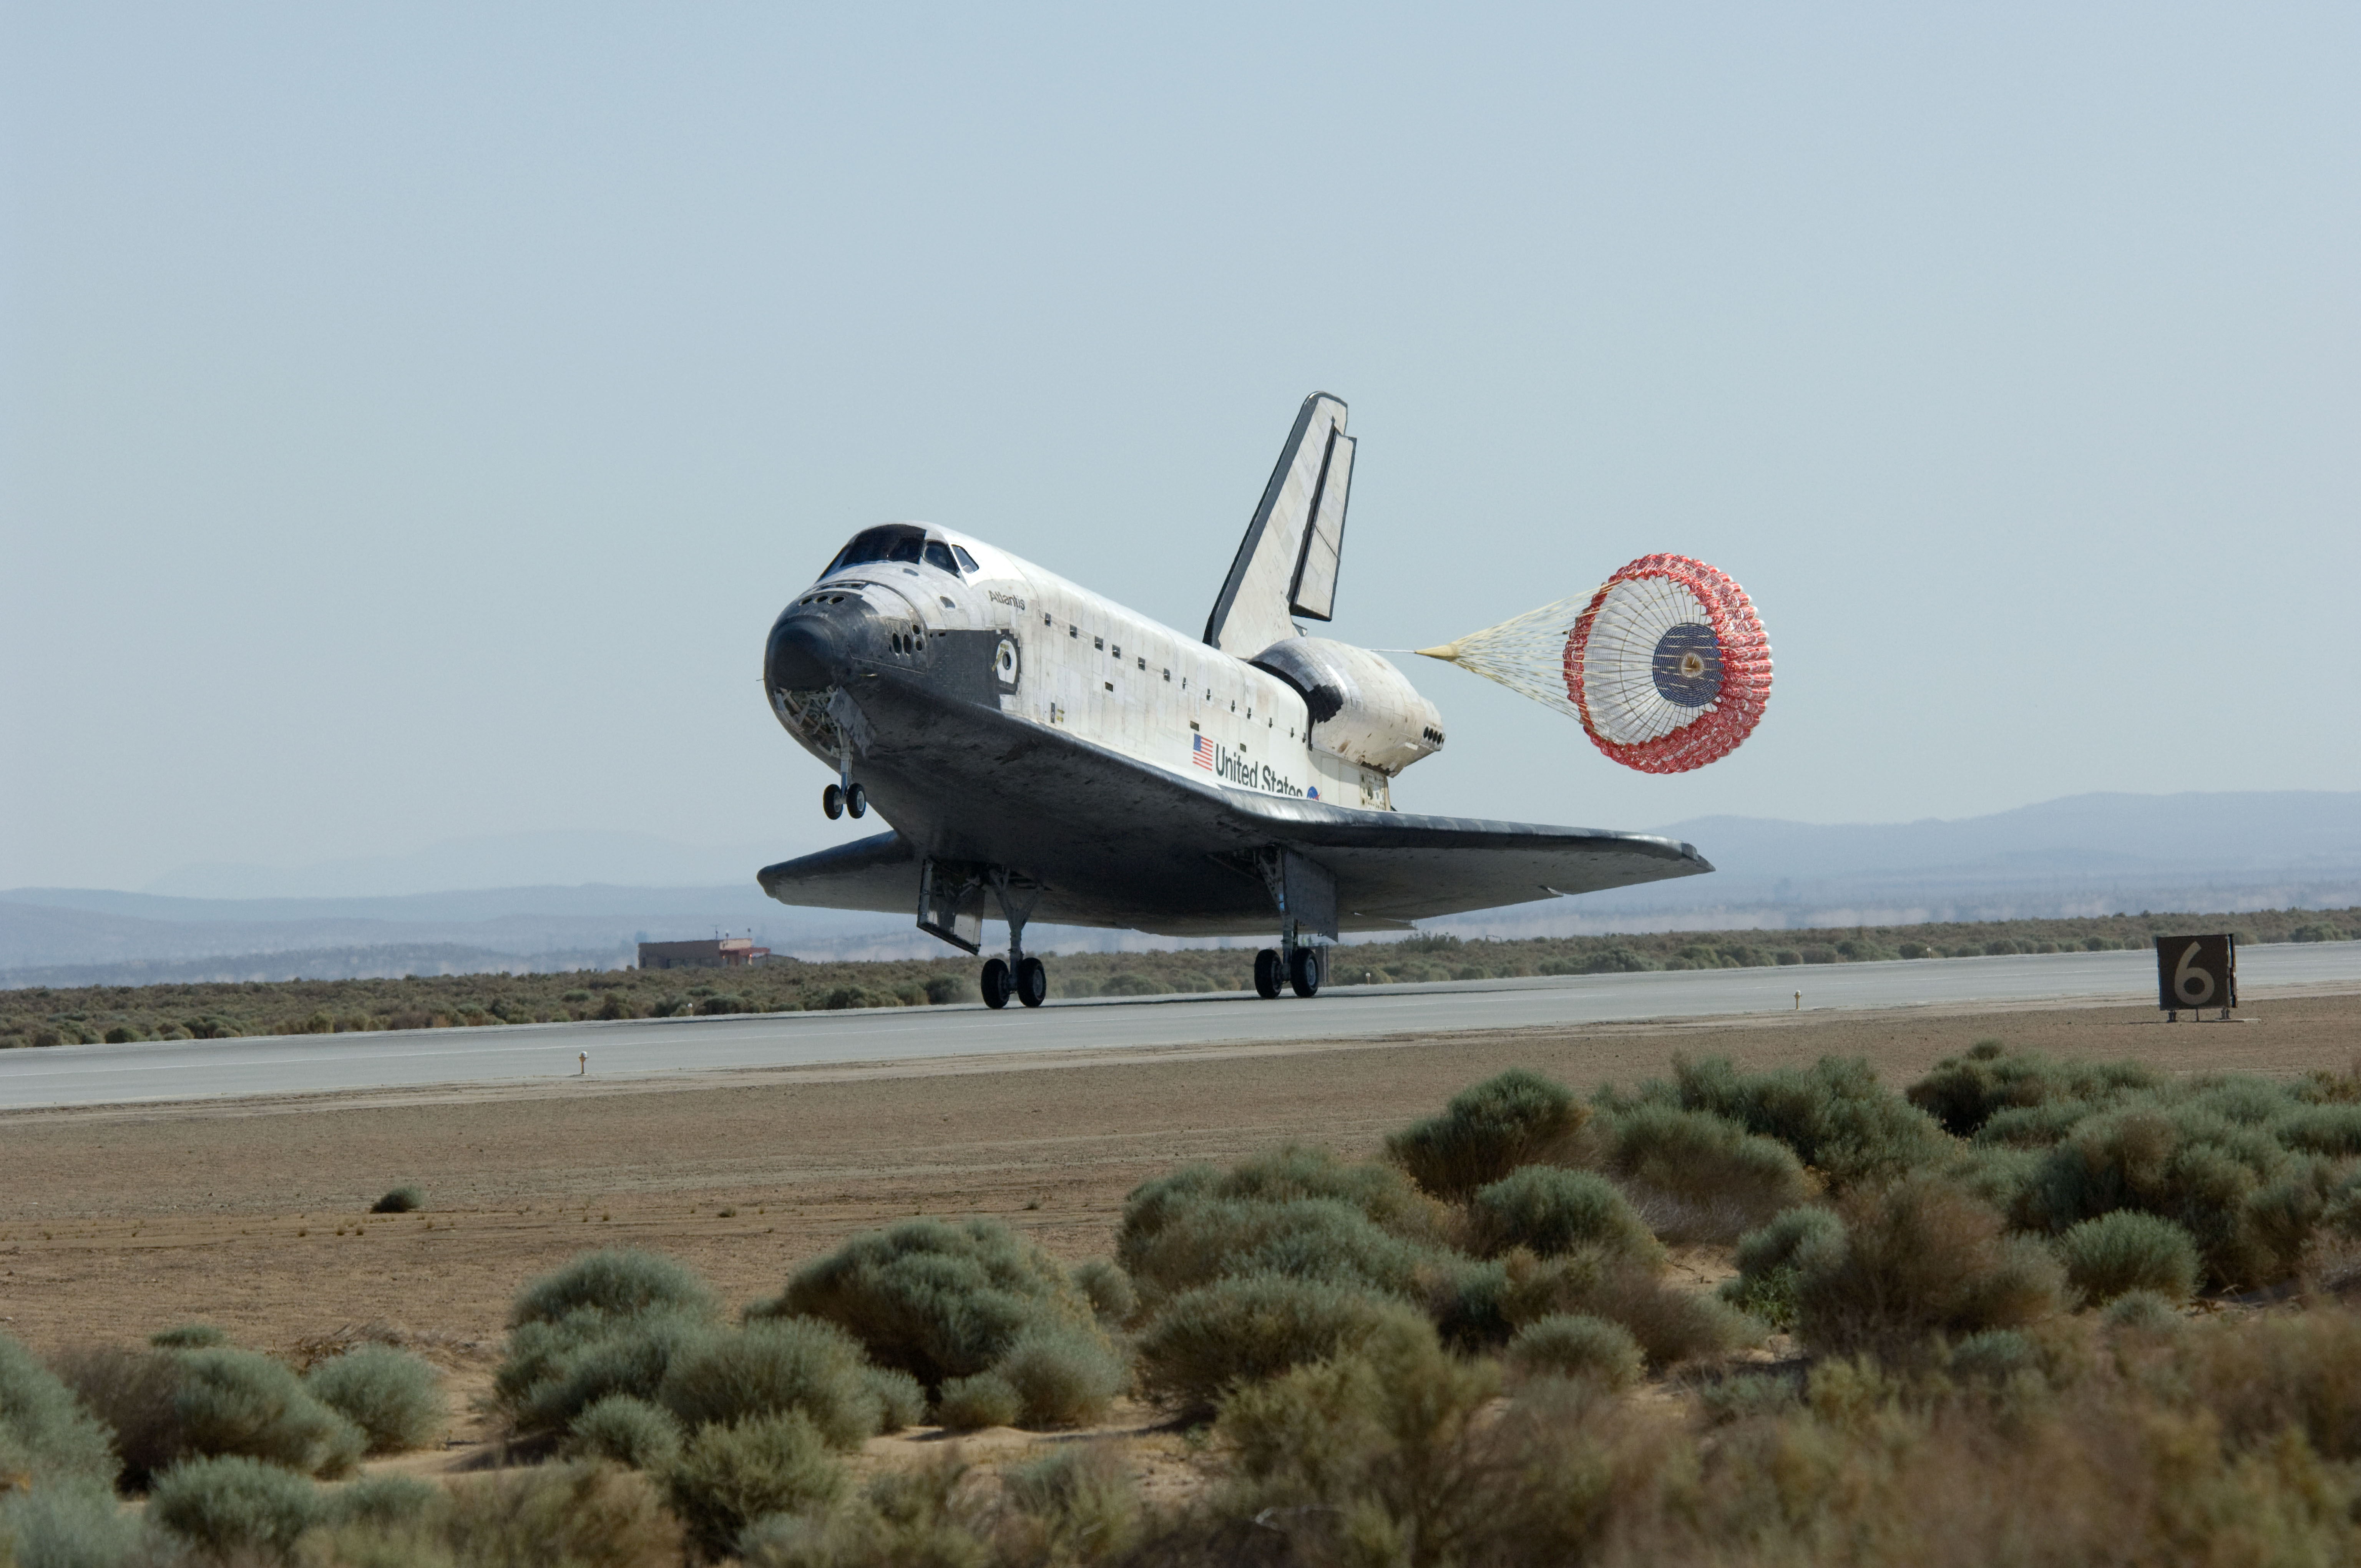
(806, 653)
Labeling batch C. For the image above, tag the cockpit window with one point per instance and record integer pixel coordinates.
(965, 559)
(939, 554)
(896, 541)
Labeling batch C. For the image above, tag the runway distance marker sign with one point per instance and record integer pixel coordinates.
(2196, 971)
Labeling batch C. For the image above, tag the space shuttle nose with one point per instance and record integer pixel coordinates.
(807, 654)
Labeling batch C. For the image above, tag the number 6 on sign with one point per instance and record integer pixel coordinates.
(2196, 971)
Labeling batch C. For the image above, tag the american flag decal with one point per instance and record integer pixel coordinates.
(1201, 751)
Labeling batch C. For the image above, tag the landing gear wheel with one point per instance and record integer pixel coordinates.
(995, 984)
(1267, 973)
(1304, 972)
(1032, 982)
(856, 801)
(831, 801)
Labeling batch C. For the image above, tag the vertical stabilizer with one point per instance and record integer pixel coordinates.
(1287, 564)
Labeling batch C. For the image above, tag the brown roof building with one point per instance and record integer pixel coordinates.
(722, 952)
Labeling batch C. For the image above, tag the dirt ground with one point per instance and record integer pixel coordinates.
(251, 1215)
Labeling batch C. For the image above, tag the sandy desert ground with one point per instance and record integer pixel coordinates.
(252, 1214)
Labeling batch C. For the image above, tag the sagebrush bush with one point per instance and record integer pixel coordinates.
(1768, 1268)
(1202, 1341)
(1063, 1376)
(985, 1400)
(627, 1431)
(392, 1396)
(46, 1435)
(1696, 1176)
(773, 1365)
(617, 1283)
(2143, 1309)
(553, 1372)
(1108, 1289)
(1671, 1324)
(385, 1503)
(403, 1199)
(2249, 1204)
(1575, 1344)
(910, 1517)
(1076, 1504)
(933, 1298)
(1549, 1210)
(1964, 1094)
(1919, 1257)
(578, 1515)
(235, 1504)
(237, 1402)
(131, 1392)
(901, 1401)
(188, 1336)
(72, 1523)
(728, 1476)
(1834, 1114)
(1196, 1242)
(1488, 1130)
(2127, 1251)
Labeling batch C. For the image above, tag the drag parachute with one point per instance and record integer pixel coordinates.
(1667, 665)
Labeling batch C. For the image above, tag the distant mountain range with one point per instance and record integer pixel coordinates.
(2087, 854)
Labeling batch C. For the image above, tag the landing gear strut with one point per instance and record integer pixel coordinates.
(1017, 975)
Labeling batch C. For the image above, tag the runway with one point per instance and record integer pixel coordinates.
(306, 1064)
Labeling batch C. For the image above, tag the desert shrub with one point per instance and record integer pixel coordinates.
(393, 1396)
(232, 1403)
(1109, 1291)
(1964, 1094)
(1063, 1376)
(188, 1336)
(403, 1199)
(901, 1401)
(1551, 1211)
(1381, 1443)
(1835, 1115)
(235, 1504)
(1699, 1176)
(2260, 1376)
(1256, 1327)
(908, 1517)
(773, 1365)
(1768, 1268)
(2128, 1251)
(1919, 1257)
(985, 1400)
(384, 1503)
(132, 1393)
(627, 1431)
(552, 1372)
(578, 1515)
(2141, 1309)
(1670, 1324)
(1283, 1175)
(1575, 1344)
(619, 1283)
(1992, 1355)
(2332, 1130)
(728, 1476)
(2245, 1200)
(1309, 1238)
(933, 1298)
(71, 1523)
(46, 1435)
(1487, 1131)
(1076, 1504)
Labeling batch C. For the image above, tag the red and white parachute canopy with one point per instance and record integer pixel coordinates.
(1667, 665)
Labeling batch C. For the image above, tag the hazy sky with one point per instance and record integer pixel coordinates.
(411, 416)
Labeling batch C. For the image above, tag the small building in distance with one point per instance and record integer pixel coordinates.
(721, 952)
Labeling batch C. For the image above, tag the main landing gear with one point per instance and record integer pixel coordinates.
(1017, 975)
(837, 799)
(1029, 983)
(1299, 969)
